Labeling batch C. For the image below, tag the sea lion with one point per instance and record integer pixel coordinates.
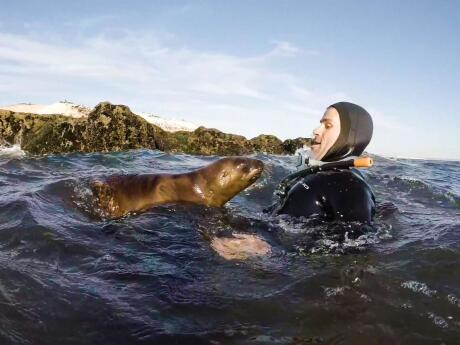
(212, 185)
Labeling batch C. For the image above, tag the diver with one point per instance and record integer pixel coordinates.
(336, 193)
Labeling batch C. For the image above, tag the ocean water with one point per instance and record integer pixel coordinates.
(67, 276)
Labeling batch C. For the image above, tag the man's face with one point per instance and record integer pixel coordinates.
(326, 134)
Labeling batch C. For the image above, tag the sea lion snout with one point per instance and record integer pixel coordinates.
(230, 175)
(256, 164)
(249, 168)
(256, 169)
(259, 165)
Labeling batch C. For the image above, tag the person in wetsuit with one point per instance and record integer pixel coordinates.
(344, 131)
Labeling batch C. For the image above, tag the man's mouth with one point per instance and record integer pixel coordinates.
(314, 142)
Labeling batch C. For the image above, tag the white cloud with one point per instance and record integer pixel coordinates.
(284, 48)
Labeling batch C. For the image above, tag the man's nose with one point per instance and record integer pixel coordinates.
(317, 131)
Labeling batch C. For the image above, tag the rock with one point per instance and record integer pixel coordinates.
(291, 145)
(207, 141)
(267, 144)
(51, 134)
(115, 128)
(107, 128)
(41, 134)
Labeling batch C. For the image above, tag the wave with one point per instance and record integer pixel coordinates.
(425, 191)
(156, 274)
(11, 151)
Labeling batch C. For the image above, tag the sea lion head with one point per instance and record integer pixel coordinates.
(229, 176)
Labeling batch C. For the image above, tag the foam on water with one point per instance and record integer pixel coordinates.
(419, 288)
(438, 320)
(11, 151)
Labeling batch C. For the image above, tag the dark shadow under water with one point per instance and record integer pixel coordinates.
(68, 276)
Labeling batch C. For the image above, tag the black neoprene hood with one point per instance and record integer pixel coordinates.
(355, 132)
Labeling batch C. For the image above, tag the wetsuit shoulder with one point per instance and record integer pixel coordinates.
(340, 195)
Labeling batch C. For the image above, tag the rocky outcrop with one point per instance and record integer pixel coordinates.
(291, 145)
(267, 144)
(41, 134)
(206, 141)
(107, 128)
(115, 128)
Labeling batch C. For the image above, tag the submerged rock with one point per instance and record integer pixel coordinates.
(115, 128)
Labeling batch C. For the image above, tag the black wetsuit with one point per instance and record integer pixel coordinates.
(334, 195)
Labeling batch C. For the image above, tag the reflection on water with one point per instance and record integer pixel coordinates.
(68, 276)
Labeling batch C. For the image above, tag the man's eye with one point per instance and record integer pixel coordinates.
(328, 125)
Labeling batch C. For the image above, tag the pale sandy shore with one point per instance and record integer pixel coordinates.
(76, 110)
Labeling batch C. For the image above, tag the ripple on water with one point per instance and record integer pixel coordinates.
(153, 277)
(315, 236)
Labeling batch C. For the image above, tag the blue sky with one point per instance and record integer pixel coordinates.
(246, 67)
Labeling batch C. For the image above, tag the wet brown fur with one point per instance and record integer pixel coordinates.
(212, 185)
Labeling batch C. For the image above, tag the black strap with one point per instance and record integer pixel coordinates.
(288, 181)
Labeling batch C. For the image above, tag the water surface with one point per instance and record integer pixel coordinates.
(70, 277)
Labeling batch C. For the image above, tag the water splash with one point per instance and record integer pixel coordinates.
(316, 236)
(419, 287)
(438, 320)
(11, 151)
